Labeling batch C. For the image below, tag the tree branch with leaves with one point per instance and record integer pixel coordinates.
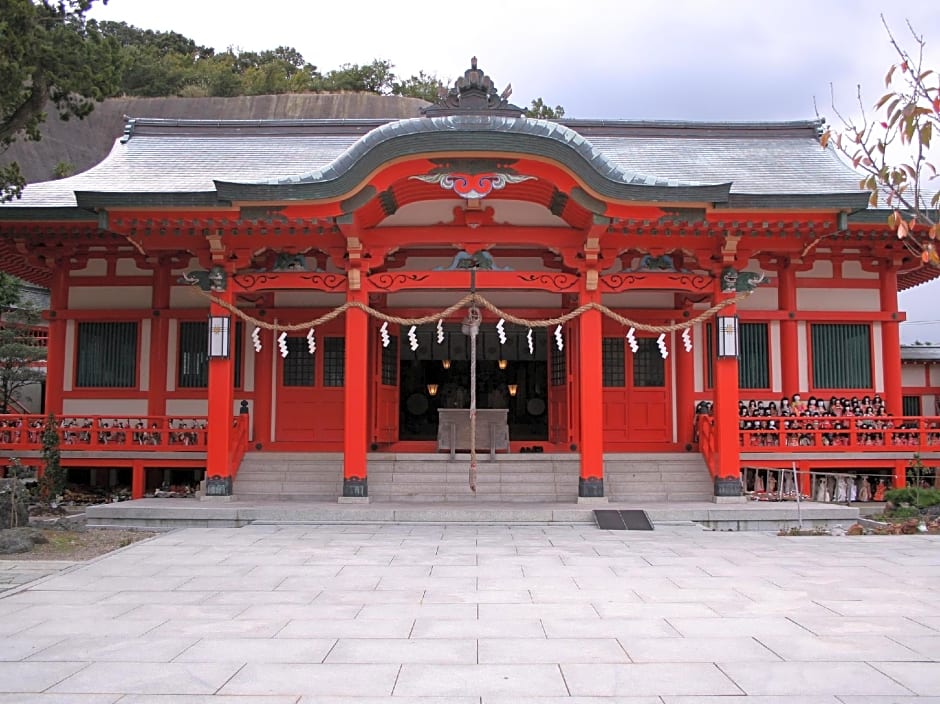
(49, 55)
(892, 147)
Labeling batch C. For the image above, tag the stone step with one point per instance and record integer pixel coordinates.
(436, 477)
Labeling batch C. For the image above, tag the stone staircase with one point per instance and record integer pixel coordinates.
(424, 478)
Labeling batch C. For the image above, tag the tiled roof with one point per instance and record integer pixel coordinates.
(920, 353)
(191, 156)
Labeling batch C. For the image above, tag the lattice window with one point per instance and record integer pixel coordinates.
(559, 366)
(754, 359)
(649, 367)
(709, 356)
(298, 366)
(107, 355)
(238, 346)
(334, 361)
(841, 355)
(192, 369)
(613, 360)
(911, 405)
(390, 362)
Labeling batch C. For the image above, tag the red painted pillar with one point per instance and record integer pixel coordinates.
(891, 343)
(55, 350)
(221, 412)
(789, 340)
(590, 373)
(159, 334)
(685, 390)
(727, 394)
(355, 415)
(138, 480)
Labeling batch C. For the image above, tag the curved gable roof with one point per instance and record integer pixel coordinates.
(475, 133)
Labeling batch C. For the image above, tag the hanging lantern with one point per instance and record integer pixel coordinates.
(727, 327)
(219, 336)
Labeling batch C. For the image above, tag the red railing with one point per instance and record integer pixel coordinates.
(841, 434)
(107, 433)
(705, 430)
(239, 443)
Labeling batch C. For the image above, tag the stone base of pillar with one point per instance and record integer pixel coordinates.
(729, 499)
(591, 487)
(727, 487)
(592, 500)
(218, 486)
(354, 500)
(355, 487)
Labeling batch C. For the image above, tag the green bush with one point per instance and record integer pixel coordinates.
(903, 512)
(913, 496)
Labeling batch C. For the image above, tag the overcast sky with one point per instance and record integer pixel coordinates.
(671, 59)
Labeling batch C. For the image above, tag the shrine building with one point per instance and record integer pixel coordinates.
(469, 285)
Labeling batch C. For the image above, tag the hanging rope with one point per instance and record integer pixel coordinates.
(473, 321)
(476, 299)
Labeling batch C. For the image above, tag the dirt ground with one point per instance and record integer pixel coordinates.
(78, 546)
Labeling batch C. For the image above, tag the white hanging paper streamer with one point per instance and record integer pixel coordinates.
(687, 339)
(413, 338)
(282, 343)
(631, 340)
(531, 342)
(386, 338)
(661, 341)
(440, 332)
(256, 339)
(311, 341)
(501, 331)
(559, 340)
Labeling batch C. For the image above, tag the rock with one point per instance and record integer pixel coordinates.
(13, 541)
(13, 511)
(75, 521)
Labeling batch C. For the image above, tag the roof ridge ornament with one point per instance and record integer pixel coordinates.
(475, 94)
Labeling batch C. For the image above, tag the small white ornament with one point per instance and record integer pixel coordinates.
(386, 338)
(531, 341)
(687, 339)
(311, 341)
(413, 338)
(501, 331)
(631, 340)
(559, 339)
(282, 343)
(256, 339)
(440, 332)
(661, 341)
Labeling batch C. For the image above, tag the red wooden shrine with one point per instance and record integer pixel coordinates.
(649, 229)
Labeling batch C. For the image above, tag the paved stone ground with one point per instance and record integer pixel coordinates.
(423, 614)
(14, 573)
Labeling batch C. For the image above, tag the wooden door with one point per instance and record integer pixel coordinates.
(560, 363)
(310, 392)
(637, 395)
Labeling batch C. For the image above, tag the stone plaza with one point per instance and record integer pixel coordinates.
(486, 614)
